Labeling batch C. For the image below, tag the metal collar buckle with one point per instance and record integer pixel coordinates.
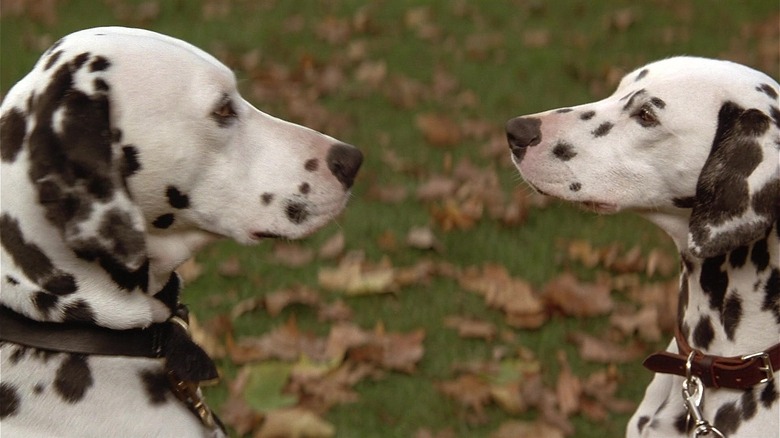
(767, 368)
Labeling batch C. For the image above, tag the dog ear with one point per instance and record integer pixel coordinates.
(78, 167)
(738, 191)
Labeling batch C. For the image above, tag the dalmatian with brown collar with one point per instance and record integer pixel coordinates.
(123, 152)
(693, 145)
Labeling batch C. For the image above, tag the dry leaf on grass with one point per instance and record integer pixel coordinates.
(513, 296)
(333, 247)
(276, 301)
(355, 276)
(293, 255)
(294, 423)
(575, 298)
(526, 429)
(472, 392)
(423, 238)
(568, 388)
(471, 328)
(438, 129)
(190, 270)
(593, 349)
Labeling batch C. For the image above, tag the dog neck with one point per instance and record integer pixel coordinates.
(46, 280)
(728, 304)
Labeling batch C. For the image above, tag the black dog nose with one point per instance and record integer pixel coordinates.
(344, 162)
(522, 132)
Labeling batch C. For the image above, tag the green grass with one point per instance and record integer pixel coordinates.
(509, 79)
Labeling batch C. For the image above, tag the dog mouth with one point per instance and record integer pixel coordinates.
(599, 207)
(260, 235)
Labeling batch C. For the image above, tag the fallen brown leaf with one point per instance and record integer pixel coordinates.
(593, 349)
(470, 328)
(526, 429)
(294, 423)
(575, 298)
(438, 130)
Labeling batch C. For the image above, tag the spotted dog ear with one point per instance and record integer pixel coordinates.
(78, 168)
(738, 191)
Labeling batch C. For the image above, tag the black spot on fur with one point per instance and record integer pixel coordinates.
(686, 202)
(79, 311)
(79, 61)
(52, 59)
(114, 223)
(682, 299)
(768, 90)
(304, 188)
(33, 262)
(768, 395)
(18, 354)
(772, 294)
(704, 333)
(641, 74)
(169, 294)
(39, 388)
(603, 129)
(130, 165)
(101, 85)
(9, 400)
(125, 278)
(11, 280)
(564, 110)
(738, 257)
(760, 254)
(176, 198)
(749, 406)
(13, 128)
(732, 315)
(575, 187)
(564, 151)
(774, 112)
(44, 301)
(266, 198)
(99, 64)
(587, 115)
(681, 423)
(631, 99)
(714, 281)
(642, 422)
(73, 378)
(658, 103)
(723, 196)
(311, 164)
(156, 385)
(163, 221)
(72, 167)
(728, 418)
(296, 212)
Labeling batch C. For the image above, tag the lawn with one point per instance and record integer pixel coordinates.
(424, 88)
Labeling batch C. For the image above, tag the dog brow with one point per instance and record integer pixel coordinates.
(632, 97)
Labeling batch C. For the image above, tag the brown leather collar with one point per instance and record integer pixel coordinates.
(168, 340)
(737, 372)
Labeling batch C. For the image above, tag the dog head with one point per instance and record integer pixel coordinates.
(690, 143)
(130, 137)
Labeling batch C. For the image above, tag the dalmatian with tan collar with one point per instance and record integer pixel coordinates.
(693, 145)
(123, 152)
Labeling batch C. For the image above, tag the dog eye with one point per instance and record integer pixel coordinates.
(646, 117)
(225, 113)
(225, 110)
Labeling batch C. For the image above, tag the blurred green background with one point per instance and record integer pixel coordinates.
(366, 72)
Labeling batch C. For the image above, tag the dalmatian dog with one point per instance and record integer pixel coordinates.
(693, 145)
(123, 152)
